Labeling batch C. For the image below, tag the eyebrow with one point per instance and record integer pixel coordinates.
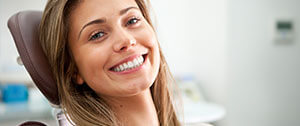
(102, 20)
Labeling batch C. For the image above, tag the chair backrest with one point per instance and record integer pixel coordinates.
(24, 29)
(32, 123)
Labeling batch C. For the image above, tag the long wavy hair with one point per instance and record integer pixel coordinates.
(80, 102)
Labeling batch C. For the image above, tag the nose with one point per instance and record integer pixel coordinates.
(124, 41)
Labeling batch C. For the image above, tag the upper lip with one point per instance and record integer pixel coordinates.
(128, 58)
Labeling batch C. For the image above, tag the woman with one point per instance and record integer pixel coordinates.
(107, 63)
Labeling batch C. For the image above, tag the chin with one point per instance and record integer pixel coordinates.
(137, 87)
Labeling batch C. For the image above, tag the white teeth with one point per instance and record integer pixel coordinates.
(125, 66)
(117, 69)
(121, 67)
(130, 64)
(135, 62)
(141, 59)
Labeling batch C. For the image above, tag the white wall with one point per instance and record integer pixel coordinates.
(264, 77)
(255, 78)
(10, 71)
(192, 35)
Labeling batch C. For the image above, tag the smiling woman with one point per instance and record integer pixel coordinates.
(107, 63)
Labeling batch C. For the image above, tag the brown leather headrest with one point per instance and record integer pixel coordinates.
(24, 29)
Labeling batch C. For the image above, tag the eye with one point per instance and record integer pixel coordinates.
(97, 35)
(132, 21)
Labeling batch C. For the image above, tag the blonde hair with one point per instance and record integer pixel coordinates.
(80, 102)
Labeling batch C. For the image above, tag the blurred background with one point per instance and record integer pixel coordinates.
(236, 62)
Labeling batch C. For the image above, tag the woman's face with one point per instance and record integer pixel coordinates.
(114, 47)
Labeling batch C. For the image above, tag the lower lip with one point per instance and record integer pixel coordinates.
(133, 69)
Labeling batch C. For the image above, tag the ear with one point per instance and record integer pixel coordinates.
(79, 79)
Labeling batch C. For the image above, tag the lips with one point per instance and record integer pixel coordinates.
(129, 63)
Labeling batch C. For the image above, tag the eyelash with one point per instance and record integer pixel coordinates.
(131, 19)
(96, 35)
(100, 34)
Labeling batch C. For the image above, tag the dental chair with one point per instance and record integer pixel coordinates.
(24, 29)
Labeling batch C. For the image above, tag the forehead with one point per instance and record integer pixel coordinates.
(91, 9)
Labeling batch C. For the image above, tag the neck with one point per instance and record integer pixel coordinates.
(137, 110)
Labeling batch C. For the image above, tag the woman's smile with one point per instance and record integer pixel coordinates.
(129, 65)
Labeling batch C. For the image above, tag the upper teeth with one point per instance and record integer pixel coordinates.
(130, 64)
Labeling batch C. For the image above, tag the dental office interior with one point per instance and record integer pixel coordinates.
(236, 62)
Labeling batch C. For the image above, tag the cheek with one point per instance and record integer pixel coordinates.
(150, 41)
(147, 37)
(90, 62)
